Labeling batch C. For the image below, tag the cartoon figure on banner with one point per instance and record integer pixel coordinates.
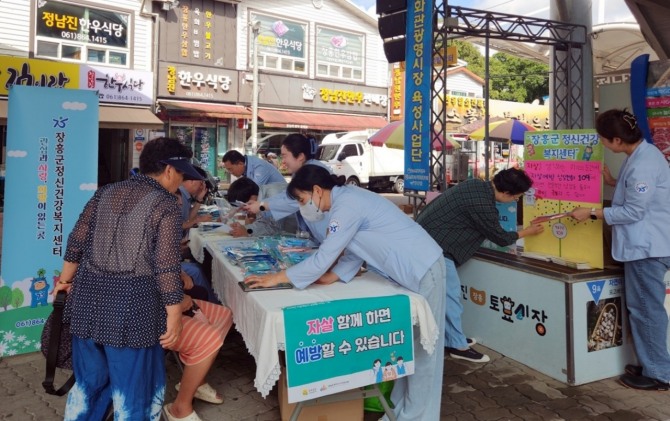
(55, 278)
(39, 289)
(389, 372)
(377, 370)
(400, 366)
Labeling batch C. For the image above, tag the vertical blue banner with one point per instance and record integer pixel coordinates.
(51, 172)
(418, 58)
(340, 345)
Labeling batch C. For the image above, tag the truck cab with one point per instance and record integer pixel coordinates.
(351, 155)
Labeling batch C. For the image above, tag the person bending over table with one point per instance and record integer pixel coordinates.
(121, 268)
(245, 189)
(259, 170)
(459, 220)
(372, 229)
(297, 150)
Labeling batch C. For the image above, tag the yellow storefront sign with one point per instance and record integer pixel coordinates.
(32, 72)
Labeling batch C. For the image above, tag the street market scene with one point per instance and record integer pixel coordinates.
(335, 210)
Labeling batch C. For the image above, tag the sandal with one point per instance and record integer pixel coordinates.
(205, 393)
(190, 417)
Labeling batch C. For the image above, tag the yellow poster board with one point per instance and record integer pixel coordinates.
(566, 169)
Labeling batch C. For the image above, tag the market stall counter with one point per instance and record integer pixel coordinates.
(569, 324)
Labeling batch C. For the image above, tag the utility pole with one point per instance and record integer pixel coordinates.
(255, 28)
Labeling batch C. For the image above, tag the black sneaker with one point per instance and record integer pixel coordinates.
(471, 341)
(468, 355)
(634, 370)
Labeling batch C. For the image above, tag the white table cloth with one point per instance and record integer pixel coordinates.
(259, 318)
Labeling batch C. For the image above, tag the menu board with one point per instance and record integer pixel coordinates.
(566, 169)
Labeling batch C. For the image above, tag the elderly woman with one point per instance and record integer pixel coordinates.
(122, 266)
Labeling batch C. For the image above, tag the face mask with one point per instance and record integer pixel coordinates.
(311, 212)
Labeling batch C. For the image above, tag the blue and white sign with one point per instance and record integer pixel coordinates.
(418, 57)
(51, 172)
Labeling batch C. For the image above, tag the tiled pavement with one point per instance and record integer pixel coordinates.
(499, 390)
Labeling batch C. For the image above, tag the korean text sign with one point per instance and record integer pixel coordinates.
(52, 170)
(566, 169)
(340, 345)
(418, 58)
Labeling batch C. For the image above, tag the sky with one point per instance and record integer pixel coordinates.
(603, 10)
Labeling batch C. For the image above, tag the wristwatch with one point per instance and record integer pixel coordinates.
(262, 207)
(593, 214)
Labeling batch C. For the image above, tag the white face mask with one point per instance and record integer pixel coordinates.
(310, 212)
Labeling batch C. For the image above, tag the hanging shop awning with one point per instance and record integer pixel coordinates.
(114, 117)
(207, 109)
(128, 117)
(319, 121)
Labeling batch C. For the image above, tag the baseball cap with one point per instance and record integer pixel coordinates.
(183, 164)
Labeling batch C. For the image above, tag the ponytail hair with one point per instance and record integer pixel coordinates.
(297, 144)
(309, 176)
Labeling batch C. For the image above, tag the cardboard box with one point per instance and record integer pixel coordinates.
(338, 411)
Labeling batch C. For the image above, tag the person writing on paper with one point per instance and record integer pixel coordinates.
(297, 151)
(244, 190)
(640, 220)
(122, 269)
(372, 229)
(460, 219)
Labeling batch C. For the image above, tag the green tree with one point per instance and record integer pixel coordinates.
(511, 78)
(5, 296)
(517, 79)
(17, 298)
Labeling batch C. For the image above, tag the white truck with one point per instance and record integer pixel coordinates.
(375, 167)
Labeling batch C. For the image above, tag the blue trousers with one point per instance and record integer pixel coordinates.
(453, 331)
(194, 270)
(418, 397)
(645, 299)
(132, 378)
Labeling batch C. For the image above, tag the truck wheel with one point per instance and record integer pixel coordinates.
(399, 185)
(353, 181)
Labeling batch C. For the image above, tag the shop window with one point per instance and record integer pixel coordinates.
(47, 49)
(118, 58)
(71, 52)
(96, 56)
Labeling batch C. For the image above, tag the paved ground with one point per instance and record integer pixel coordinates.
(499, 390)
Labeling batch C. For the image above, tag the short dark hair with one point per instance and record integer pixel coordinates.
(242, 189)
(309, 176)
(618, 123)
(297, 144)
(234, 157)
(512, 181)
(159, 149)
